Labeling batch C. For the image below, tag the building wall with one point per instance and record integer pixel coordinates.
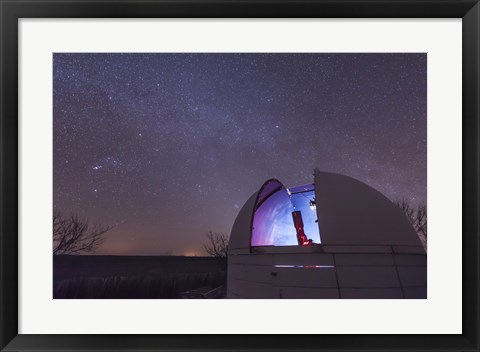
(335, 272)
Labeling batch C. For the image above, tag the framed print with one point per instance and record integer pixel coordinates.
(239, 176)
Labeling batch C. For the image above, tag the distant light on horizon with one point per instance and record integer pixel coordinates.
(190, 254)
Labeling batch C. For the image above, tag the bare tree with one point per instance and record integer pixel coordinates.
(417, 217)
(74, 235)
(217, 244)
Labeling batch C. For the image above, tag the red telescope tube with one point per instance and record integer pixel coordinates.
(298, 223)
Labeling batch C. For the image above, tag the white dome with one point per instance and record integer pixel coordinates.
(242, 227)
(349, 212)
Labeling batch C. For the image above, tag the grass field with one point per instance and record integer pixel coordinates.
(138, 277)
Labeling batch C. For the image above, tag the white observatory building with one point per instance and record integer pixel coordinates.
(335, 238)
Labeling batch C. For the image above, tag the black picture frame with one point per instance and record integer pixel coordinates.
(12, 10)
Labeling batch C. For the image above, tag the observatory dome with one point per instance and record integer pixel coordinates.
(334, 238)
(336, 210)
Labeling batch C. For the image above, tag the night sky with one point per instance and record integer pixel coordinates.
(166, 147)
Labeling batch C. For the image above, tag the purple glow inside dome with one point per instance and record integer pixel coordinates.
(273, 224)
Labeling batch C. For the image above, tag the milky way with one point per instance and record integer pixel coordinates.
(165, 147)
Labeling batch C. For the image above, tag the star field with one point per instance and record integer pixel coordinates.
(166, 147)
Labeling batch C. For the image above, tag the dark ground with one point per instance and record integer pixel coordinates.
(138, 277)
